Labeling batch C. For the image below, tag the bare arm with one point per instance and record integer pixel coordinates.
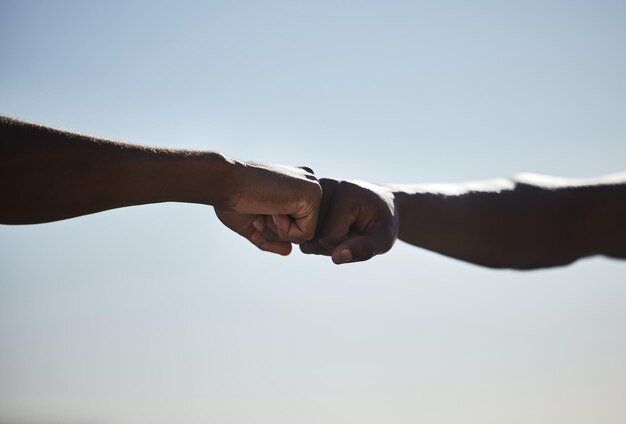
(528, 221)
(48, 174)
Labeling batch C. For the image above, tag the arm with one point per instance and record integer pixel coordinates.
(528, 221)
(524, 222)
(48, 174)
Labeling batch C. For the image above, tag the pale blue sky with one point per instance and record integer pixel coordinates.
(160, 314)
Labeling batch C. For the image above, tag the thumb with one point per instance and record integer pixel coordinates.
(282, 224)
(355, 249)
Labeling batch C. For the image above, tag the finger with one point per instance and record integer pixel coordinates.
(280, 247)
(355, 249)
(262, 224)
(305, 218)
(270, 225)
(328, 191)
(314, 248)
(303, 228)
(282, 224)
(299, 226)
(310, 175)
(270, 235)
(259, 223)
(339, 218)
(278, 228)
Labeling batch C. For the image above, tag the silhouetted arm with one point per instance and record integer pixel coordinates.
(528, 221)
(48, 174)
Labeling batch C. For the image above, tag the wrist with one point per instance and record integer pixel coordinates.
(400, 198)
(200, 177)
(413, 208)
(222, 179)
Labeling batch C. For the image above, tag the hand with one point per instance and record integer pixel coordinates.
(357, 221)
(287, 197)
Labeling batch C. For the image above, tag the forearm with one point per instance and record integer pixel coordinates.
(525, 222)
(48, 174)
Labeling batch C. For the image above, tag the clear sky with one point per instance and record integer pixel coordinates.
(159, 314)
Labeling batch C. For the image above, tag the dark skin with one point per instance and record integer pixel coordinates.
(357, 221)
(48, 174)
(524, 222)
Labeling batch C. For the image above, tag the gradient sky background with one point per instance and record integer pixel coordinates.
(159, 314)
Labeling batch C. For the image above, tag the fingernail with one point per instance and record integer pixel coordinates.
(275, 221)
(345, 256)
(258, 224)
